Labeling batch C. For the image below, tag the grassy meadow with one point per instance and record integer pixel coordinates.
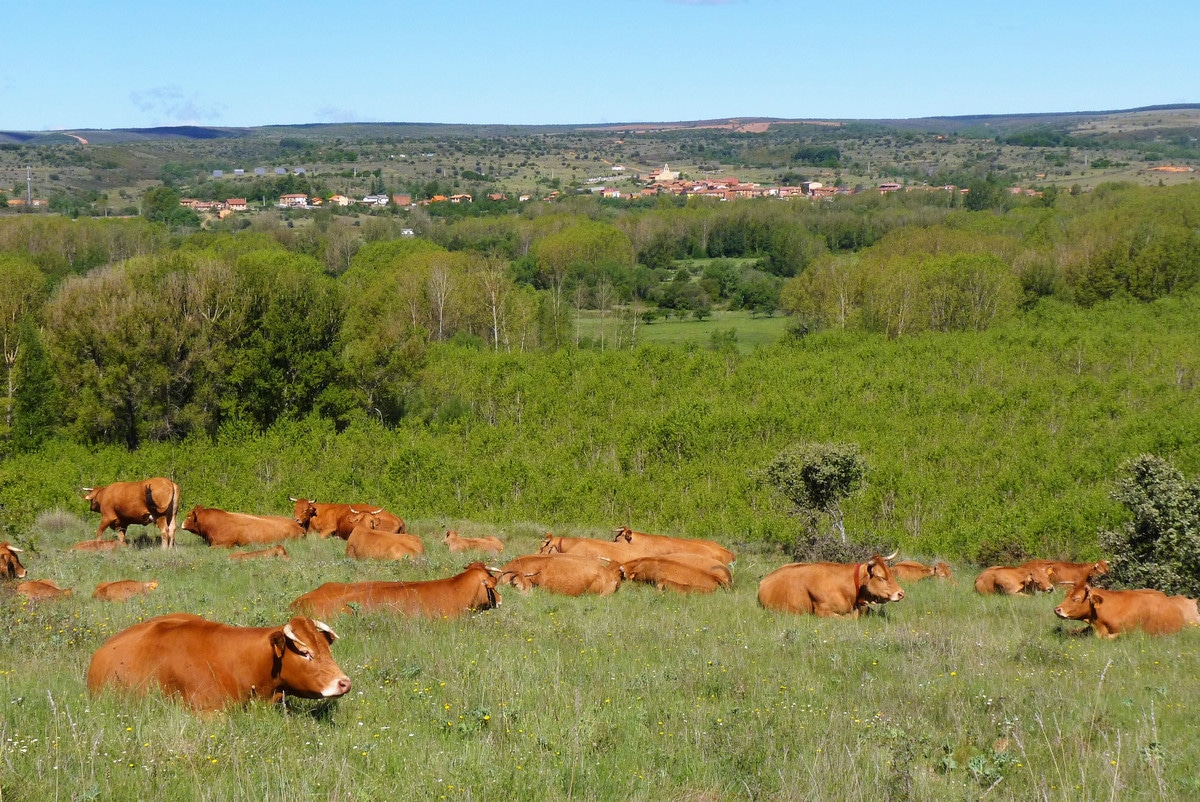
(748, 331)
(638, 696)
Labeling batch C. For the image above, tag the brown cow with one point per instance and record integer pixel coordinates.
(1014, 580)
(652, 545)
(98, 545)
(274, 551)
(1070, 573)
(473, 589)
(221, 528)
(365, 543)
(829, 589)
(589, 546)
(568, 574)
(678, 573)
(10, 563)
(211, 665)
(40, 589)
(123, 503)
(122, 589)
(457, 544)
(912, 571)
(333, 519)
(1111, 612)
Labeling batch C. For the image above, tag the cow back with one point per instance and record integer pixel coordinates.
(122, 589)
(365, 543)
(567, 574)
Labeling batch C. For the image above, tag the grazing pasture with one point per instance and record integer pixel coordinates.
(641, 695)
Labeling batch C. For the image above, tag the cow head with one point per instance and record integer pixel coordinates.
(10, 564)
(92, 496)
(549, 546)
(304, 511)
(368, 518)
(304, 665)
(942, 570)
(1039, 579)
(623, 533)
(485, 596)
(1079, 603)
(450, 535)
(1100, 568)
(192, 522)
(518, 579)
(879, 585)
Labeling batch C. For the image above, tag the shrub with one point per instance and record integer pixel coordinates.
(1160, 547)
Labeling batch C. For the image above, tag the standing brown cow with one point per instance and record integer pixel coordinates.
(221, 528)
(10, 564)
(122, 589)
(1111, 612)
(473, 589)
(123, 503)
(211, 665)
(829, 589)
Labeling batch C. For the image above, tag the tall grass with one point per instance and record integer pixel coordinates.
(642, 695)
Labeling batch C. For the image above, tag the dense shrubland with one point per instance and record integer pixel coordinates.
(994, 367)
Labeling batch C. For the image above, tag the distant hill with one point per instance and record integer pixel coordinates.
(998, 123)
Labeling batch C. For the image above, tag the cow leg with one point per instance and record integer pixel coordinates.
(105, 523)
(167, 531)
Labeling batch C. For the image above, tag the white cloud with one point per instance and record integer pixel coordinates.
(170, 105)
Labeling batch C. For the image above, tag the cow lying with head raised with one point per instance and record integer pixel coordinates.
(365, 543)
(122, 589)
(457, 544)
(40, 589)
(473, 589)
(275, 551)
(10, 563)
(569, 574)
(829, 589)
(212, 665)
(1111, 612)
(590, 547)
(683, 573)
(1065, 573)
(913, 571)
(123, 503)
(1189, 608)
(1014, 580)
(221, 528)
(335, 519)
(652, 545)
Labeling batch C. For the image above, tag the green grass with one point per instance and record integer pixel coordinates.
(750, 331)
(639, 696)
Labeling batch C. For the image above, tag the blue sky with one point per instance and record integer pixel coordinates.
(73, 64)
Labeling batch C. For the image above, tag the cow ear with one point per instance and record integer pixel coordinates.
(278, 643)
(1095, 599)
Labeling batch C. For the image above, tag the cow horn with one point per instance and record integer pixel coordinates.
(292, 498)
(491, 569)
(290, 634)
(321, 625)
(606, 559)
(88, 489)
(18, 551)
(891, 556)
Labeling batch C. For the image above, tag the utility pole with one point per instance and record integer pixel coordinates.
(28, 188)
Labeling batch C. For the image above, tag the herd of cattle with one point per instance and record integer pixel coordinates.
(240, 663)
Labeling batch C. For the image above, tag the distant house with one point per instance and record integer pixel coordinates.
(340, 200)
(293, 200)
(407, 232)
(497, 196)
(374, 200)
(218, 173)
(888, 186)
(260, 170)
(462, 197)
(239, 171)
(280, 171)
(523, 198)
(236, 205)
(402, 199)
